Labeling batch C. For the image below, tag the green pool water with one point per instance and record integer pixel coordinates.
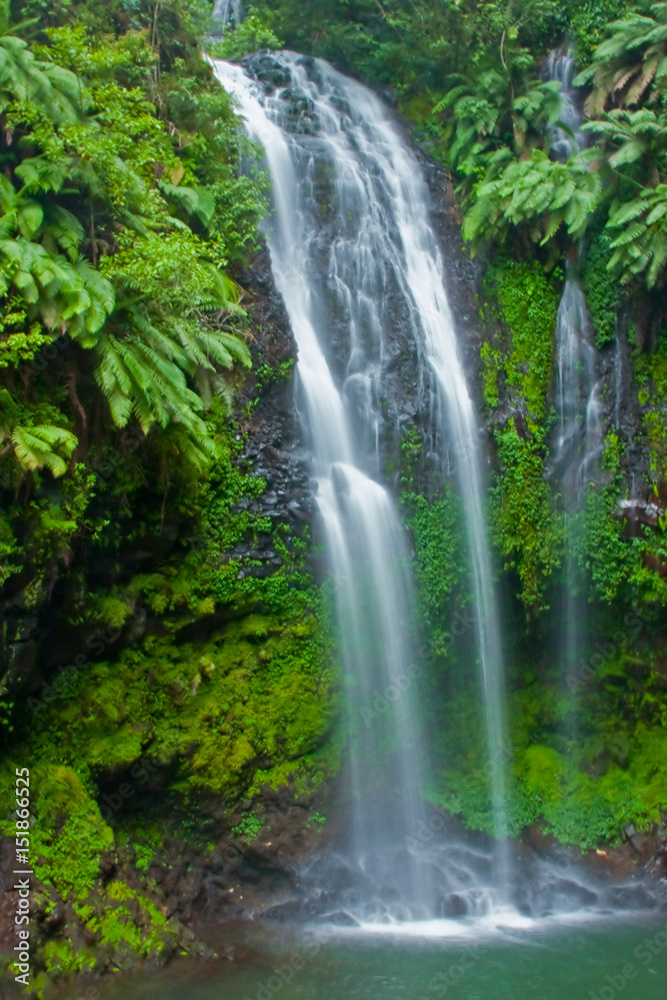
(580, 959)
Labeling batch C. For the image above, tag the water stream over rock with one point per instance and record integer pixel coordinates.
(357, 262)
(579, 441)
(578, 403)
(349, 239)
(580, 431)
(561, 66)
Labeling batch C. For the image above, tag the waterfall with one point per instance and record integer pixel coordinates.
(227, 12)
(578, 447)
(350, 236)
(561, 67)
(580, 431)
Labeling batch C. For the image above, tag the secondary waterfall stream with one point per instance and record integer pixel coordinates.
(561, 67)
(578, 446)
(579, 438)
(226, 13)
(580, 432)
(344, 149)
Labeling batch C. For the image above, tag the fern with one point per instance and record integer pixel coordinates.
(639, 242)
(630, 65)
(539, 194)
(43, 446)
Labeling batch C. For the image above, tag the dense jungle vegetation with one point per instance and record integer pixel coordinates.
(159, 623)
(587, 750)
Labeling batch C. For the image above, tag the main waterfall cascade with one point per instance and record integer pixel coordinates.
(382, 247)
(365, 542)
(349, 238)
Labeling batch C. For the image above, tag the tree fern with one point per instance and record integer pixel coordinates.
(635, 139)
(630, 65)
(43, 446)
(639, 232)
(538, 194)
(501, 107)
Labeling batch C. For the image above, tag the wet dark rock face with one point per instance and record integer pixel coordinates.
(273, 449)
(402, 385)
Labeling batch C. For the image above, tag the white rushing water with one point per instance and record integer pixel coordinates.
(578, 397)
(578, 447)
(580, 430)
(343, 166)
(561, 67)
(226, 12)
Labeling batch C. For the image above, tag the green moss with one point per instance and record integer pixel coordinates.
(622, 568)
(542, 771)
(576, 807)
(61, 959)
(526, 527)
(144, 856)
(255, 691)
(583, 791)
(441, 565)
(602, 291)
(491, 363)
(651, 372)
(69, 835)
(528, 302)
(609, 555)
(126, 922)
(246, 703)
(412, 444)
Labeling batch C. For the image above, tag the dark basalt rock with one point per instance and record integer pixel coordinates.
(274, 449)
(401, 386)
(267, 70)
(454, 905)
(562, 895)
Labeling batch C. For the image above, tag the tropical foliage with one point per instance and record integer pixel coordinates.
(639, 229)
(123, 217)
(630, 66)
(522, 193)
(538, 194)
(130, 510)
